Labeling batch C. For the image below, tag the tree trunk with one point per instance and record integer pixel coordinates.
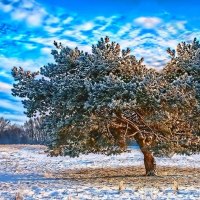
(143, 142)
(149, 160)
(149, 163)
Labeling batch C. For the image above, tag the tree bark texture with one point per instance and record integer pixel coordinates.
(149, 163)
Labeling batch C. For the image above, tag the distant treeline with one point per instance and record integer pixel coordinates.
(29, 133)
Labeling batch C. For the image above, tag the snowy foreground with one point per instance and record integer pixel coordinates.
(27, 172)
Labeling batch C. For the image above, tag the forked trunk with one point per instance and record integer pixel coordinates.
(143, 142)
(149, 163)
(149, 160)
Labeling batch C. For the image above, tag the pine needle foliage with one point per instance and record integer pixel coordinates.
(98, 102)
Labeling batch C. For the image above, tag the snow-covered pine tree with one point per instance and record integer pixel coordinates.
(98, 102)
(185, 64)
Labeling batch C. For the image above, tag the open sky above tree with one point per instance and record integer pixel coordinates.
(28, 29)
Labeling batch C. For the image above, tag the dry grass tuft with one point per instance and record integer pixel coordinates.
(121, 186)
(18, 196)
(175, 186)
(48, 175)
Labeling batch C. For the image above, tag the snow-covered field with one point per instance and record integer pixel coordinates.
(26, 171)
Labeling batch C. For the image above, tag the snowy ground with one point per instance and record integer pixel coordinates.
(26, 171)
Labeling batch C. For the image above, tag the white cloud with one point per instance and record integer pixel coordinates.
(31, 18)
(163, 33)
(30, 46)
(51, 20)
(19, 14)
(51, 29)
(108, 22)
(15, 118)
(8, 63)
(171, 29)
(41, 40)
(46, 50)
(49, 41)
(70, 44)
(134, 33)
(5, 74)
(181, 25)
(126, 28)
(27, 4)
(148, 22)
(85, 27)
(17, 106)
(34, 19)
(85, 48)
(101, 18)
(68, 20)
(26, 11)
(5, 8)
(5, 87)
(75, 33)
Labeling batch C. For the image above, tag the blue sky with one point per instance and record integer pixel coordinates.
(29, 27)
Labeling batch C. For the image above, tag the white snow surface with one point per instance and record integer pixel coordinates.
(32, 158)
(22, 172)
